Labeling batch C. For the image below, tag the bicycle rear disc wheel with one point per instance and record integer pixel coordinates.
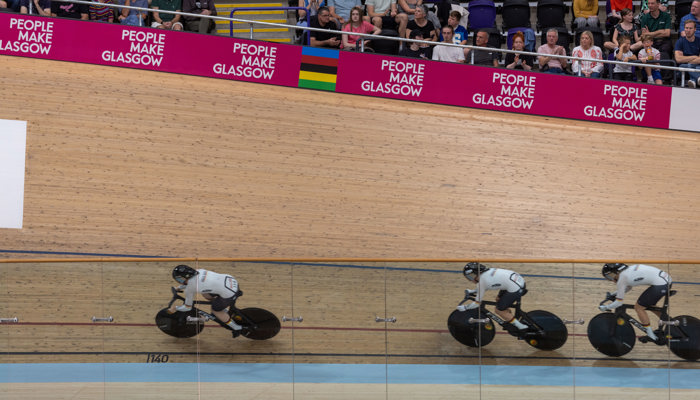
(176, 324)
(611, 335)
(555, 332)
(474, 334)
(685, 338)
(266, 324)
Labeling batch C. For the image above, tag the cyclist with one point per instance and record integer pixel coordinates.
(220, 289)
(635, 275)
(511, 288)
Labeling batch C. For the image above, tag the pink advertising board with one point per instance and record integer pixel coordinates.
(152, 49)
(504, 90)
(358, 73)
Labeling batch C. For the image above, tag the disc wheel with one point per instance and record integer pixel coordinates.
(685, 338)
(611, 335)
(555, 332)
(474, 334)
(265, 324)
(176, 324)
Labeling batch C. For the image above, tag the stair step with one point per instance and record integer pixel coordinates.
(260, 32)
(274, 21)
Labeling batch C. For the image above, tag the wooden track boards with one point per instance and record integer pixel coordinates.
(123, 161)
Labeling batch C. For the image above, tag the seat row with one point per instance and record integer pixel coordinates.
(549, 14)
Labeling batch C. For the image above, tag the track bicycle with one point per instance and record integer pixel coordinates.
(612, 332)
(475, 327)
(257, 323)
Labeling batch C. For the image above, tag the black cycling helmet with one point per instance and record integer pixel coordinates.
(472, 269)
(182, 273)
(610, 269)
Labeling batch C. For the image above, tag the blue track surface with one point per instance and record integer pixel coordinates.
(352, 373)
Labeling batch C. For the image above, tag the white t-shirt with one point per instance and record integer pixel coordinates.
(448, 53)
(380, 5)
(208, 282)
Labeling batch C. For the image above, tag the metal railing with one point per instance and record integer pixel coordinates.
(252, 23)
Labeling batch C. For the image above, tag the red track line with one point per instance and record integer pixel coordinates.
(313, 328)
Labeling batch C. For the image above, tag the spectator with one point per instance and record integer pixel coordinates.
(693, 16)
(131, 17)
(658, 24)
(37, 7)
(663, 6)
(482, 57)
(460, 33)
(325, 39)
(311, 7)
(552, 63)
(417, 50)
(448, 53)
(357, 24)
(385, 16)
(586, 13)
(69, 10)
(586, 49)
(100, 12)
(340, 10)
(422, 24)
(624, 53)
(687, 52)
(201, 7)
(519, 61)
(646, 54)
(616, 7)
(408, 7)
(625, 27)
(165, 20)
(13, 5)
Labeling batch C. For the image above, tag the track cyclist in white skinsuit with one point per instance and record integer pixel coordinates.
(220, 289)
(511, 287)
(627, 277)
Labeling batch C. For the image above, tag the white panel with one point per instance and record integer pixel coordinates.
(685, 104)
(13, 146)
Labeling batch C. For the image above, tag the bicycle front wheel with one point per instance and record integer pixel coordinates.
(611, 335)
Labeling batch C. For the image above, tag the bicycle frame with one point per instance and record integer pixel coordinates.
(519, 314)
(233, 310)
(621, 311)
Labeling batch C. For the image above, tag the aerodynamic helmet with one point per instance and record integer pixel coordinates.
(473, 269)
(182, 273)
(611, 269)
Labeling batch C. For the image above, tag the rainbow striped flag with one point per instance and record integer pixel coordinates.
(319, 68)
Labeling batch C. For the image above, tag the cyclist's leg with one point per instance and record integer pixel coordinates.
(649, 298)
(505, 301)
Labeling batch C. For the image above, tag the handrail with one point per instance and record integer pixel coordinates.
(345, 259)
(233, 10)
(364, 36)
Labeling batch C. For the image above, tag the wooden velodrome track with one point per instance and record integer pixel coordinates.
(126, 162)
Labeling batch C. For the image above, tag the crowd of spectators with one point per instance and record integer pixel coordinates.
(645, 38)
(101, 11)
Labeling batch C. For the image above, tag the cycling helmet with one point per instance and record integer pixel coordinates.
(182, 273)
(610, 269)
(472, 269)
